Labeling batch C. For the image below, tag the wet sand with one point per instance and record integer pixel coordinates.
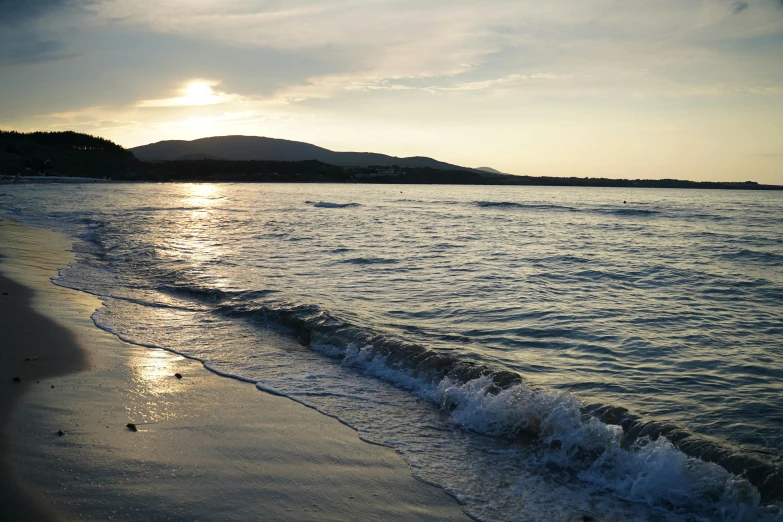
(207, 447)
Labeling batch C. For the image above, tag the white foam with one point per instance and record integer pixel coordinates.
(659, 475)
(653, 472)
(327, 204)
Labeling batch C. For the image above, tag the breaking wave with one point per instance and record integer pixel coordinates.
(497, 402)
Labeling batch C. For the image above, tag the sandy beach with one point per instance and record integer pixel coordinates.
(207, 447)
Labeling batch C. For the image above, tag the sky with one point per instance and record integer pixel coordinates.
(687, 89)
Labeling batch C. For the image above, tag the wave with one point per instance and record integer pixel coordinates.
(759, 256)
(370, 261)
(511, 204)
(622, 211)
(327, 204)
(625, 210)
(497, 402)
(629, 212)
(187, 208)
(162, 209)
(213, 295)
(711, 217)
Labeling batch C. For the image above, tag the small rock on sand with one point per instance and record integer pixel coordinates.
(60, 433)
(132, 427)
(17, 379)
(178, 375)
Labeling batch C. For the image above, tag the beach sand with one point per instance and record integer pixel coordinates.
(207, 447)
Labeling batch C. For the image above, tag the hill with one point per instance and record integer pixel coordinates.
(63, 154)
(245, 148)
(72, 154)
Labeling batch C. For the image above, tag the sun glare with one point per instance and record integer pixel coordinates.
(194, 92)
(199, 93)
(202, 190)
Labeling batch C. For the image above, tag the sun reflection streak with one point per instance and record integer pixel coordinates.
(153, 385)
(202, 195)
(156, 369)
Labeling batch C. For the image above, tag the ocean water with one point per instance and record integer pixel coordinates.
(541, 353)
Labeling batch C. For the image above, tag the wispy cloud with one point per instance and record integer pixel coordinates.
(29, 49)
(437, 85)
(738, 7)
(243, 117)
(441, 38)
(15, 12)
(506, 81)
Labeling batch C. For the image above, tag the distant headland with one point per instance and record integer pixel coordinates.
(64, 156)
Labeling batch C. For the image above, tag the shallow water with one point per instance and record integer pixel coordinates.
(668, 305)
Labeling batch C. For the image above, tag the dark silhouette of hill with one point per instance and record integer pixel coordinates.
(65, 153)
(245, 148)
(489, 169)
(200, 157)
(81, 155)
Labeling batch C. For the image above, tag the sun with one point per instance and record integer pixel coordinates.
(199, 92)
(194, 93)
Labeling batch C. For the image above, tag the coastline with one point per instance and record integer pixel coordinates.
(24, 332)
(27, 333)
(208, 447)
(26, 180)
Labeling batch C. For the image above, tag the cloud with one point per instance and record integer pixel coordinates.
(19, 47)
(18, 11)
(334, 51)
(96, 126)
(193, 93)
(436, 85)
(592, 40)
(26, 33)
(506, 81)
(738, 7)
(22, 12)
(201, 122)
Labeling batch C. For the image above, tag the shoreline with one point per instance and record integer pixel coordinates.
(27, 333)
(56, 354)
(29, 180)
(208, 447)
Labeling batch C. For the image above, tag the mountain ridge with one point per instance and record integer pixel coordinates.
(54, 156)
(489, 169)
(244, 148)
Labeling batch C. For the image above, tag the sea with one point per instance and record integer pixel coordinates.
(540, 353)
